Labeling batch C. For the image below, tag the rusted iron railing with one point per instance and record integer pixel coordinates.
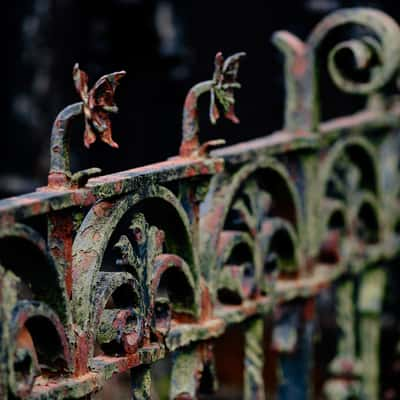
(103, 275)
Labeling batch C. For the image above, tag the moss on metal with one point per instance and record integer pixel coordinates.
(131, 271)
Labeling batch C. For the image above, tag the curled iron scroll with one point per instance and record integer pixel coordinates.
(382, 43)
(375, 53)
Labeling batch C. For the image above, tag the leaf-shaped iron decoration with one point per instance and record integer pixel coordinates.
(221, 88)
(225, 81)
(98, 102)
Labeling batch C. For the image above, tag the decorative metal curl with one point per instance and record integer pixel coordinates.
(381, 43)
(376, 52)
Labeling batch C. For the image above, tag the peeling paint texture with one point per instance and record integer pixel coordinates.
(160, 261)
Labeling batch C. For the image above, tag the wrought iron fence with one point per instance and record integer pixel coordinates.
(106, 274)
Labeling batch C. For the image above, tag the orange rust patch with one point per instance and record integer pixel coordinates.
(103, 209)
(118, 187)
(299, 67)
(81, 358)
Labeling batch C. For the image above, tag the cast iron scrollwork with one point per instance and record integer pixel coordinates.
(376, 52)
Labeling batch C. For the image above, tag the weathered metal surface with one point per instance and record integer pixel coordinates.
(221, 88)
(96, 104)
(161, 260)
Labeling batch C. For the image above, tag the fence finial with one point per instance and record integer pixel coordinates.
(98, 102)
(96, 105)
(221, 88)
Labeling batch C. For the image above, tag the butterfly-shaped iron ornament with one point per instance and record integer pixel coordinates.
(225, 81)
(98, 102)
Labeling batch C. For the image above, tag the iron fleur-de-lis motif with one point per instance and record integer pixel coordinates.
(98, 102)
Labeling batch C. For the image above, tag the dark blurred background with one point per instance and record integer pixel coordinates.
(166, 46)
